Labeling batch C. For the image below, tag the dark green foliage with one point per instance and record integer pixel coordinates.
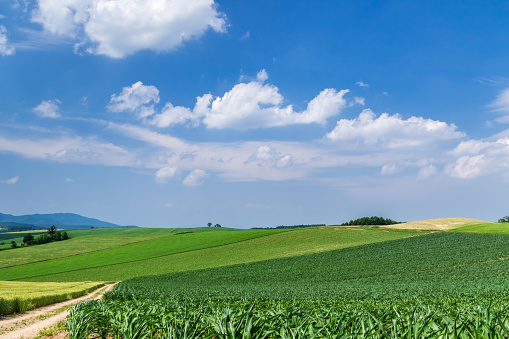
(29, 239)
(370, 221)
(50, 236)
(504, 219)
(145, 318)
(13, 244)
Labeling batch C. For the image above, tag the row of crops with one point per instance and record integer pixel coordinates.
(441, 285)
(181, 319)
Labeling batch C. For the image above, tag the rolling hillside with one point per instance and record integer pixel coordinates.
(383, 273)
(188, 252)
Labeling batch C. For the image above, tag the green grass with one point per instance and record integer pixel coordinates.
(437, 265)
(23, 296)
(279, 244)
(494, 228)
(83, 241)
(132, 254)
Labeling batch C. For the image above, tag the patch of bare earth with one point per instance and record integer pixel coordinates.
(29, 324)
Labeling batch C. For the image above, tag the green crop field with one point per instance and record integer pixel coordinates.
(442, 264)
(276, 244)
(83, 241)
(131, 254)
(444, 285)
(496, 228)
(319, 282)
(24, 296)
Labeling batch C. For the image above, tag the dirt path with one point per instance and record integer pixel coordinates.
(29, 324)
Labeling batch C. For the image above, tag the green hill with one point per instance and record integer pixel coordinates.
(195, 251)
(437, 265)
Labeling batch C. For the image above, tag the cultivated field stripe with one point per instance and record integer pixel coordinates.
(73, 255)
(292, 243)
(133, 253)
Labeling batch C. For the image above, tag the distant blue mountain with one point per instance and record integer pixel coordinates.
(62, 220)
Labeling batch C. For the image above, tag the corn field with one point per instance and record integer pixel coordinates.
(129, 319)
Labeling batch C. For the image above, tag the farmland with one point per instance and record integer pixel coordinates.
(24, 296)
(450, 285)
(437, 265)
(321, 282)
(82, 241)
(494, 228)
(196, 251)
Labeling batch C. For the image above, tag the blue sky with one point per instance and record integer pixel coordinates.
(254, 113)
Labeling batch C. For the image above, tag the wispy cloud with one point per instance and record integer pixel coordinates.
(5, 47)
(195, 178)
(501, 102)
(11, 181)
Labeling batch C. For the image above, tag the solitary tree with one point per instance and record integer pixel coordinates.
(52, 230)
(209, 224)
(28, 239)
(13, 244)
(217, 225)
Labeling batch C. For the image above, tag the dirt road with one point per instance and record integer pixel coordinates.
(29, 324)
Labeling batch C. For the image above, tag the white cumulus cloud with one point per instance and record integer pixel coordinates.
(48, 109)
(248, 105)
(259, 105)
(135, 99)
(117, 28)
(477, 157)
(392, 131)
(166, 172)
(267, 156)
(5, 48)
(195, 178)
